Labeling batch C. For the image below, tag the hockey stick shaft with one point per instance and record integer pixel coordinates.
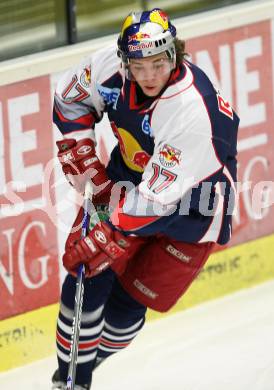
(79, 295)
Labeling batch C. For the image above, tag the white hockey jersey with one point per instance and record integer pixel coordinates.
(176, 152)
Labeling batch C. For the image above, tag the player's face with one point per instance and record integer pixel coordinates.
(151, 73)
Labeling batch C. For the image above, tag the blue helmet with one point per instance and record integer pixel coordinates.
(145, 34)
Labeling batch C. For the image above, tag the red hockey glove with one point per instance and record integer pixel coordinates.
(80, 163)
(99, 249)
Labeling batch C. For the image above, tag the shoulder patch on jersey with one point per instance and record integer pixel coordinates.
(85, 77)
(169, 156)
(109, 95)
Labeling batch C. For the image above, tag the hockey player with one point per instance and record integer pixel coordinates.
(175, 161)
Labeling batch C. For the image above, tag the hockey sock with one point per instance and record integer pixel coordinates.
(115, 339)
(96, 293)
(124, 318)
(90, 333)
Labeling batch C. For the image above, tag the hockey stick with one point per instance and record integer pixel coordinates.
(79, 294)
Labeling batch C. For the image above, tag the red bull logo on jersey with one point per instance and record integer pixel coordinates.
(132, 152)
(140, 159)
(138, 36)
(169, 156)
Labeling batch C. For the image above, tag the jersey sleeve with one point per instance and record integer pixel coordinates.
(78, 105)
(186, 156)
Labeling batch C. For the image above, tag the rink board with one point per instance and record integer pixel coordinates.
(31, 336)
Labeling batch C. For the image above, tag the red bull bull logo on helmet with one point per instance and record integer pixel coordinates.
(169, 156)
(138, 37)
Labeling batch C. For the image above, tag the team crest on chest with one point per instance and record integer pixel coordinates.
(169, 156)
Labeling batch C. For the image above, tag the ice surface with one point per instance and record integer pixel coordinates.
(226, 344)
